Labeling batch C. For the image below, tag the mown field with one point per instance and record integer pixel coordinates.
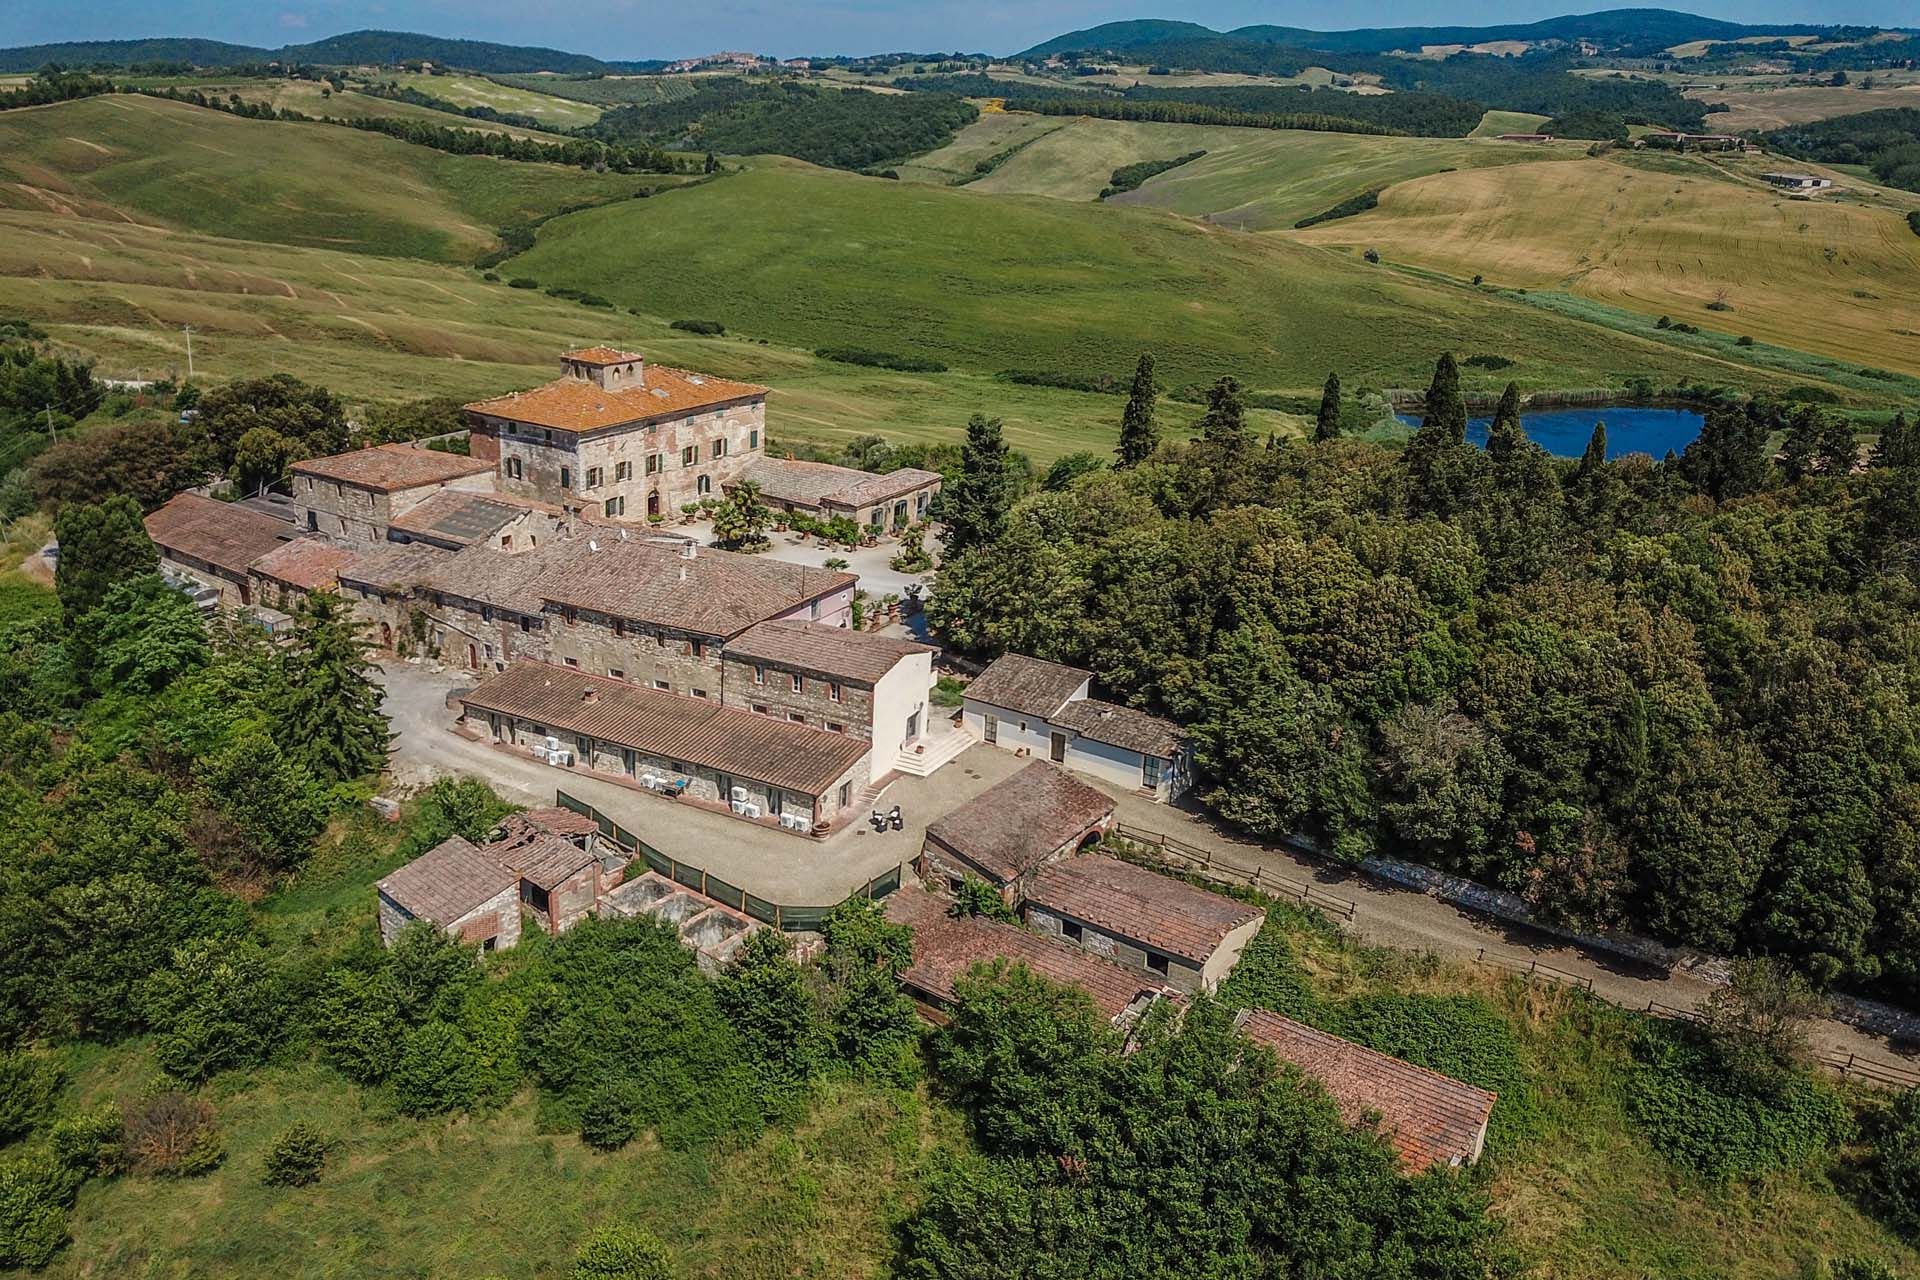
(1666, 237)
(1775, 108)
(137, 159)
(991, 282)
(480, 91)
(604, 91)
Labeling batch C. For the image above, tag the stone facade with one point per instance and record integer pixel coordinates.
(494, 924)
(361, 515)
(838, 706)
(1178, 972)
(568, 903)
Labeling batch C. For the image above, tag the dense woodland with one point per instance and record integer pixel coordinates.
(1886, 141)
(842, 128)
(1678, 697)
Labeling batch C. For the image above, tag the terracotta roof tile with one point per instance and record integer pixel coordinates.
(813, 483)
(1027, 685)
(696, 730)
(459, 517)
(305, 564)
(388, 468)
(1133, 902)
(559, 821)
(1010, 828)
(946, 947)
(1431, 1118)
(392, 566)
(539, 857)
(860, 657)
(1120, 726)
(223, 534)
(601, 355)
(448, 881)
(711, 593)
(575, 404)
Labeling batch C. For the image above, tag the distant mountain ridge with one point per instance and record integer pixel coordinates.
(347, 49)
(1637, 27)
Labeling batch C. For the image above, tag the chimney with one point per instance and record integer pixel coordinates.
(590, 695)
(593, 544)
(688, 550)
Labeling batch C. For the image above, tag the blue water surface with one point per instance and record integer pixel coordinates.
(1564, 432)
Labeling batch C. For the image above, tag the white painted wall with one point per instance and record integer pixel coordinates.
(896, 696)
(1119, 766)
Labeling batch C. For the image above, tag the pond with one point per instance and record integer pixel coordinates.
(1630, 429)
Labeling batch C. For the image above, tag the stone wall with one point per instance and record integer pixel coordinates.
(497, 918)
(649, 657)
(353, 515)
(813, 704)
(1181, 974)
(233, 590)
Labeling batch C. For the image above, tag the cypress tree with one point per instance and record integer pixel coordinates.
(1446, 413)
(1895, 445)
(332, 721)
(1504, 436)
(976, 507)
(1139, 433)
(1225, 421)
(1327, 424)
(1596, 455)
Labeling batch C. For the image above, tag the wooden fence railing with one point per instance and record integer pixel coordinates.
(1212, 866)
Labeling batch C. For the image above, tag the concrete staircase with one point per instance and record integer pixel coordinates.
(939, 747)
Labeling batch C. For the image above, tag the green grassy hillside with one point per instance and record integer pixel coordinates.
(1253, 179)
(147, 160)
(480, 91)
(992, 282)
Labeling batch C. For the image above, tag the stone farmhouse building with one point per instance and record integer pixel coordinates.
(881, 504)
(215, 544)
(1186, 936)
(1042, 709)
(457, 887)
(355, 497)
(1008, 832)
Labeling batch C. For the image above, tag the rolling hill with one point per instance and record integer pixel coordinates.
(348, 49)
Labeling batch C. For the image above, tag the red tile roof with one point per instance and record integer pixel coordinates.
(1010, 828)
(812, 483)
(1120, 726)
(539, 857)
(305, 564)
(861, 657)
(601, 355)
(448, 881)
(225, 535)
(559, 821)
(388, 468)
(575, 404)
(946, 947)
(1119, 898)
(1430, 1118)
(696, 730)
(710, 593)
(1027, 685)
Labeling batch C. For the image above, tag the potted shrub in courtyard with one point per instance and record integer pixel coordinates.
(688, 510)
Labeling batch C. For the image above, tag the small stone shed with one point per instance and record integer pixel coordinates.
(1184, 935)
(457, 887)
(1009, 831)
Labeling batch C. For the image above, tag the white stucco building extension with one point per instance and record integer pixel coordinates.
(1021, 703)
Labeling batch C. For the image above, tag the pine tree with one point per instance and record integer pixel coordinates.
(1895, 446)
(1225, 421)
(1505, 436)
(101, 545)
(1837, 451)
(1798, 451)
(1327, 425)
(332, 721)
(1446, 413)
(1139, 433)
(977, 505)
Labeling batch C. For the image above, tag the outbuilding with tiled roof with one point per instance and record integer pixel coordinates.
(458, 887)
(1185, 935)
(215, 543)
(1430, 1118)
(355, 497)
(1009, 831)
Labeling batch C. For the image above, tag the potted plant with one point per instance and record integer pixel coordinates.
(688, 510)
(656, 519)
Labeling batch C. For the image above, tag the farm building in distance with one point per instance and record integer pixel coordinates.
(1526, 137)
(1798, 181)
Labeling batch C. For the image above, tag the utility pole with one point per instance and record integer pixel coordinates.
(51, 429)
(188, 330)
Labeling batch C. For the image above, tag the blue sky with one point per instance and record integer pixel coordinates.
(620, 29)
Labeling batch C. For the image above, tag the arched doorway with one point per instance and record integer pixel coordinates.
(386, 635)
(653, 503)
(473, 658)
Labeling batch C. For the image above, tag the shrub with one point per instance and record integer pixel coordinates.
(706, 328)
(1858, 1268)
(621, 1252)
(35, 1193)
(1722, 1123)
(1345, 209)
(607, 1122)
(879, 360)
(163, 1132)
(1896, 1167)
(978, 898)
(217, 1007)
(29, 1084)
(91, 1142)
(1372, 255)
(1487, 362)
(523, 282)
(296, 1157)
(1913, 221)
(435, 1071)
(1744, 340)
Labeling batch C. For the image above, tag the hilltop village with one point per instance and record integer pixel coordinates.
(744, 745)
